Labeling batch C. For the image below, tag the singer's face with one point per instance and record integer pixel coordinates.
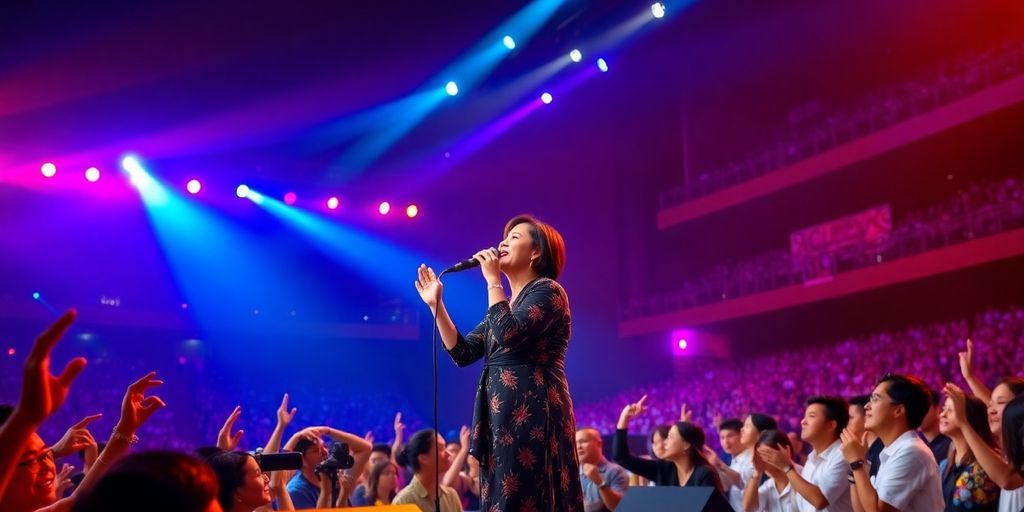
(517, 250)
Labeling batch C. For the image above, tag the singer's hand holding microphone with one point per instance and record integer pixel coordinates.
(488, 261)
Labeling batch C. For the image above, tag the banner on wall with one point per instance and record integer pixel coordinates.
(814, 250)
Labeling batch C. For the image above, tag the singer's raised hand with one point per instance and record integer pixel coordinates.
(488, 259)
(428, 286)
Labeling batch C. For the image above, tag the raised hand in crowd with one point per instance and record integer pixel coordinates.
(978, 387)
(631, 411)
(63, 482)
(396, 446)
(225, 439)
(76, 438)
(41, 394)
(686, 414)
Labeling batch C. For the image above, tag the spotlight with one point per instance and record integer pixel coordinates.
(602, 65)
(255, 197)
(682, 344)
(131, 164)
(193, 186)
(290, 198)
(451, 88)
(384, 208)
(658, 10)
(10, 351)
(92, 174)
(48, 169)
(546, 98)
(332, 203)
(576, 55)
(509, 42)
(35, 295)
(242, 191)
(412, 211)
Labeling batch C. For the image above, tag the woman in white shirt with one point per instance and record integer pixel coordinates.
(774, 494)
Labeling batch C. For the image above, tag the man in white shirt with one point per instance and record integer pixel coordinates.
(908, 478)
(823, 483)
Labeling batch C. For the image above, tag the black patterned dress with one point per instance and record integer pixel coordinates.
(524, 430)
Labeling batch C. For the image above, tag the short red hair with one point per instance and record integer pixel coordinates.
(547, 240)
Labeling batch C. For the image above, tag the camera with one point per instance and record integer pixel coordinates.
(337, 459)
(277, 461)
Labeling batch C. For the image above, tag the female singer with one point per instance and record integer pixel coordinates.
(523, 425)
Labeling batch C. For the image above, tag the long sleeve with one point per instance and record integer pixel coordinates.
(469, 349)
(704, 477)
(649, 469)
(544, 304)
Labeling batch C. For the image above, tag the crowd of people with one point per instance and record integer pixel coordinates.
(844, 368)
(953, 81)
(978, 210)
(786, 440)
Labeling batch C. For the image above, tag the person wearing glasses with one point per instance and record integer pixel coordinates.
(908, 477)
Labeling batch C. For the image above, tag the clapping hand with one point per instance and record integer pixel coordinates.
(855, 447)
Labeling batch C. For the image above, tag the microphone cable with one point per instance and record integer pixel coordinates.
(437, 447)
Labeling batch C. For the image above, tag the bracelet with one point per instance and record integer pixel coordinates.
(498, 286)
(133, 439)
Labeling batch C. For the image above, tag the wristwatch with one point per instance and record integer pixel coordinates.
(786, 469)
(857, 464)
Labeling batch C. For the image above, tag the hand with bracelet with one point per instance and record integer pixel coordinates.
(488, 259)
(136, 407)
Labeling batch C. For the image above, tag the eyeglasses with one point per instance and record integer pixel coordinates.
(34, 463)
(877, 399)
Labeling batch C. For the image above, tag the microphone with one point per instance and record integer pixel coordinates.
(466, 264)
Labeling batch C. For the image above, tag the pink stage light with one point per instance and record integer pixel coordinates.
(290, 198)
(48, 169)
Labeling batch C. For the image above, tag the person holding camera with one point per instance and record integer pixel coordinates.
(319, 484)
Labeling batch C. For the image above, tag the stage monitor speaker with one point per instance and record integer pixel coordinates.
(673, 499)
(383, 508)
